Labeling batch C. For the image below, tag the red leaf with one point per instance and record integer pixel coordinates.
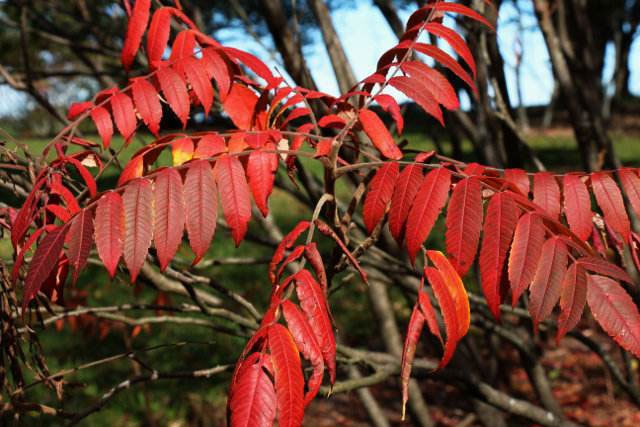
(434, 82)
(80, 242)
(234, 194)
(519, 178)
(175, 92)
(201, 198)
(448, 308)
(377, 131)
(546, 193)
(124, 115)
(240, 105)
(547, 284)
(525, 253)
(391, 106)
(460, 9)
(403, 195)
(631, 185)
(499, 225)
(601, 266)
(102, 120)
(414, 330)
(611, 203)
(252, 62)
(615, 311)
(314, 304)
(217, 69)
(158, 35)
(464, 224)
(169, 215)
(431, 198)
(577, 206)
(200, 83)
(305, 339)
(423, 98)
(456, 42)
(285, 243)
(287, 373)
(85, 174)
(147, 103)
(135, 30)
(137, 201)
(209, 146)
(43, 262)
(132, 170)
(77, 108)
(182, 48)
(381, 189)
(445, 59)
(252, 400)
(572, 299)
(109, 228)
(261, 171)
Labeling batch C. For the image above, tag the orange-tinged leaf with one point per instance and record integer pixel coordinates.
(449, 315)
(431, 197)
(377, 131)
(240, 105)
(546, 193)
(414, 329)
(109, 229)
(615, 311)
(175, 92)
(287, 373)
(201, 198)
(404, 193)
(252, 400)
(80, 241)
(305, 339)
(234, 195)
(169, 217)
(499, 226)
(577, 206)
(158, 35)
(137, 202)
(147, 101)
(261, 172)
(525, 253)
(546, 287)
(181, 150)
(610, 200)
(572, 299)
(132, 170)
(135, 30)
(464, 224)
(380, 190)
(429, 313)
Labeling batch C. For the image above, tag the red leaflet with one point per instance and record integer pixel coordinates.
(601, 266)
(132, 170)
(183, 46)
(456, 42)
(158, 35)
(109, 227)
(546, 193)
(434, 82)
(240, 105)
(429, 312)
(209, 145)
(448, 308)
(102, 120)
(416, 323)
(287, 373)
(615, 311)
(147, 103)
(295, 255)
(403, 194)
(499, 225)
(332, 121)
(78, 108)
(252, 400)
(379, 193)
(577, 206)
(234, 195)
(445, 59)
(519, 178)
(85, 174)
(611, 203)
(135, 30)
(175, 92)
(460, 9)
(217, 69)
(43, 262)
(423, 98)
(252, 62)
(377, 131)
(137, 202)
(306, 341)
(181, 150)
(201, 198)
(285, 244)
(631, 185)
(525, 253)
(200, 83)
(169, 217)
(464, 224)
(80, 241)
(261, 172)
(391, 106)
(124, 115)
(572, 299)
(313, 256)
(546, 287)
(429, 201)
(314, 304)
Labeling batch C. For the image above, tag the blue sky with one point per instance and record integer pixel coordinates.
(366, 35)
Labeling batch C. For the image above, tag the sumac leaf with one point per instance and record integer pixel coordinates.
(261, 172)
(234, 195)
(80, 241)
(137, 202)
(200, 196)
(381, 189)
(525, 253)
(464, 224)
(546, 287)
(109, 229)
(572, 299)
(377, 131)
(135, 30)
(403, 195)
(610, 200)
(169, 217)
(175, 92)
(577, 206)
(147, 103)
(252, 400)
